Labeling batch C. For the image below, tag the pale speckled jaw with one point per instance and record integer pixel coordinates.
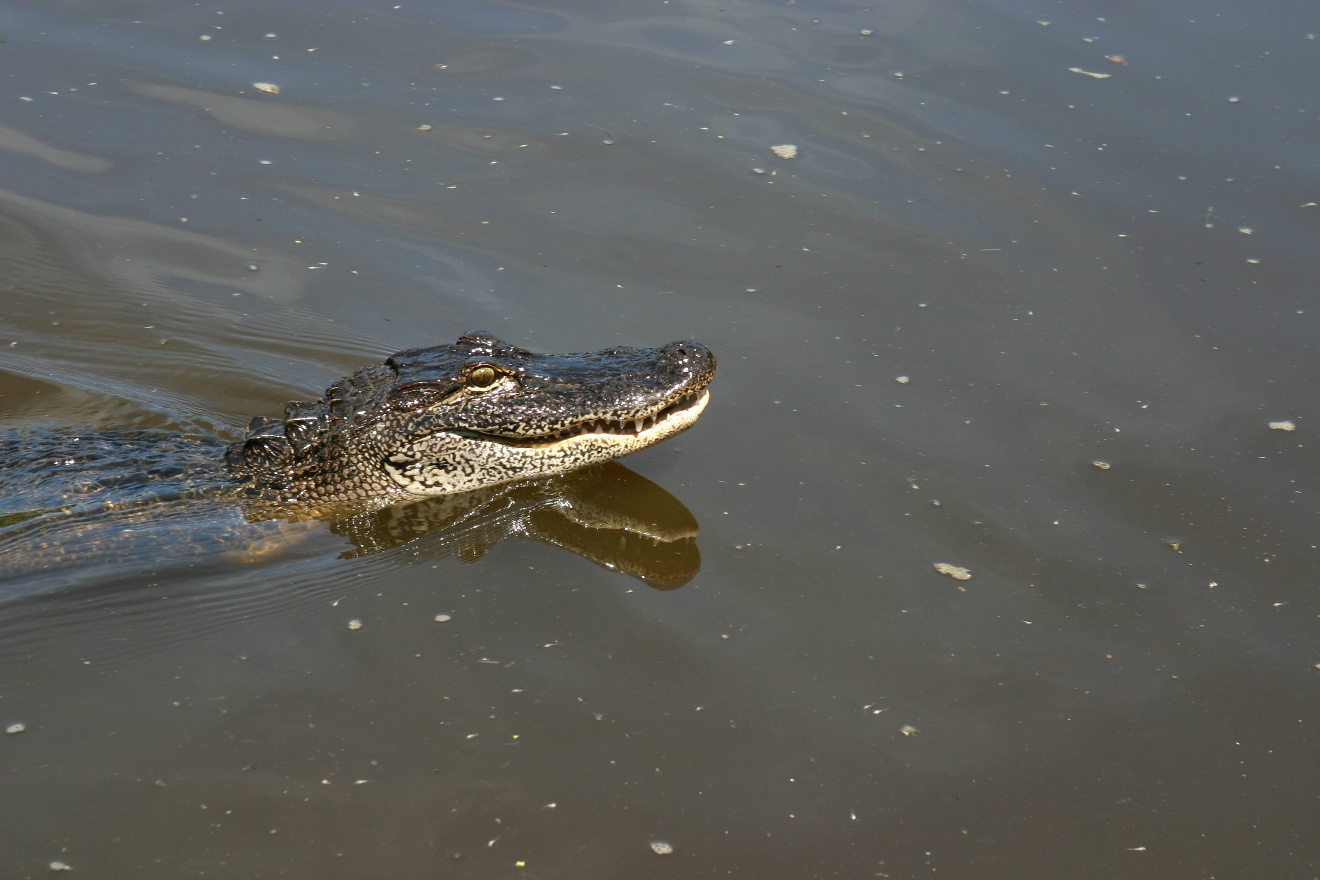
(460, 461)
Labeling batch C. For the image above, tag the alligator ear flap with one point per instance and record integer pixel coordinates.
(420, 395)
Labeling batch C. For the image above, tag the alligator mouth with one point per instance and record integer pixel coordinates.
(669, 421)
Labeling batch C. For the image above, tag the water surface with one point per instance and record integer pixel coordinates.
(985, 271)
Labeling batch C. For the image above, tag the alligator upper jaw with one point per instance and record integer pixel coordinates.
(633, 433)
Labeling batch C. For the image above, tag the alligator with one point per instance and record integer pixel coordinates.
(476, 413)
(459, 421)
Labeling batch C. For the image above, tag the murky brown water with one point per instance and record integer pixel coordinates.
(1066, 269)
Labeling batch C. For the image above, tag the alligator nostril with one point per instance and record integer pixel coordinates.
(687, 351)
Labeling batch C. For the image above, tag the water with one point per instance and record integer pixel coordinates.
(1067, 269)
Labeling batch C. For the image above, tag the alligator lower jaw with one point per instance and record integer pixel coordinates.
(633, 434)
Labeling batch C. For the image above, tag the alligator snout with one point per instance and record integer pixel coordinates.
(689, 357)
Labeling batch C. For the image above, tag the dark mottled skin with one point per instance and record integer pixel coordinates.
(477, 412)
(421, 412)
(445, 420)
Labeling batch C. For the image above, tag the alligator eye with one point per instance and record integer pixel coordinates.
(482, 376)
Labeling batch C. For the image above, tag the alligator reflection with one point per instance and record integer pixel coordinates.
(607, 514)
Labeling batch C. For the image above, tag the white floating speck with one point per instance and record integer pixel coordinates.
(730, 42)
(1091, 73)
(866, 32)
(205, 38)
(662, 848)
(957, 572)
(1103, 465)
(1254, 261)
(1246, 230)
(60, 866)
(443, 618)
(785, 151)
(908, 730)
(424, 127)
(268, 88)
(1234, 99)
(1282, 426)
(902, 380)
(497, 98)
(355, 624)
(271, 36)
(17, 727)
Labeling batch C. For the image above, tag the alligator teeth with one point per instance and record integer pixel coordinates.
(630, 427)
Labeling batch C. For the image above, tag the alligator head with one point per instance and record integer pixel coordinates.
(478, 412)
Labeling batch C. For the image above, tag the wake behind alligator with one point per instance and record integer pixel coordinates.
(486, 426)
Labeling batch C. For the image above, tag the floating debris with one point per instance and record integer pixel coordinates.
(61, 866)
(18, 727)
(957, 572)
(902, 380)
(424, 127)
(355, 624)
(908, 730)
(785, 151)
(443, 618)
(1283, 426)
(268, 88)
(1117, 59)
(662, 848)
(1103, 465)
(1091, 73)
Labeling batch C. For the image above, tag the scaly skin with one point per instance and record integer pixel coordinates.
(451, 419)
(475, 413)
